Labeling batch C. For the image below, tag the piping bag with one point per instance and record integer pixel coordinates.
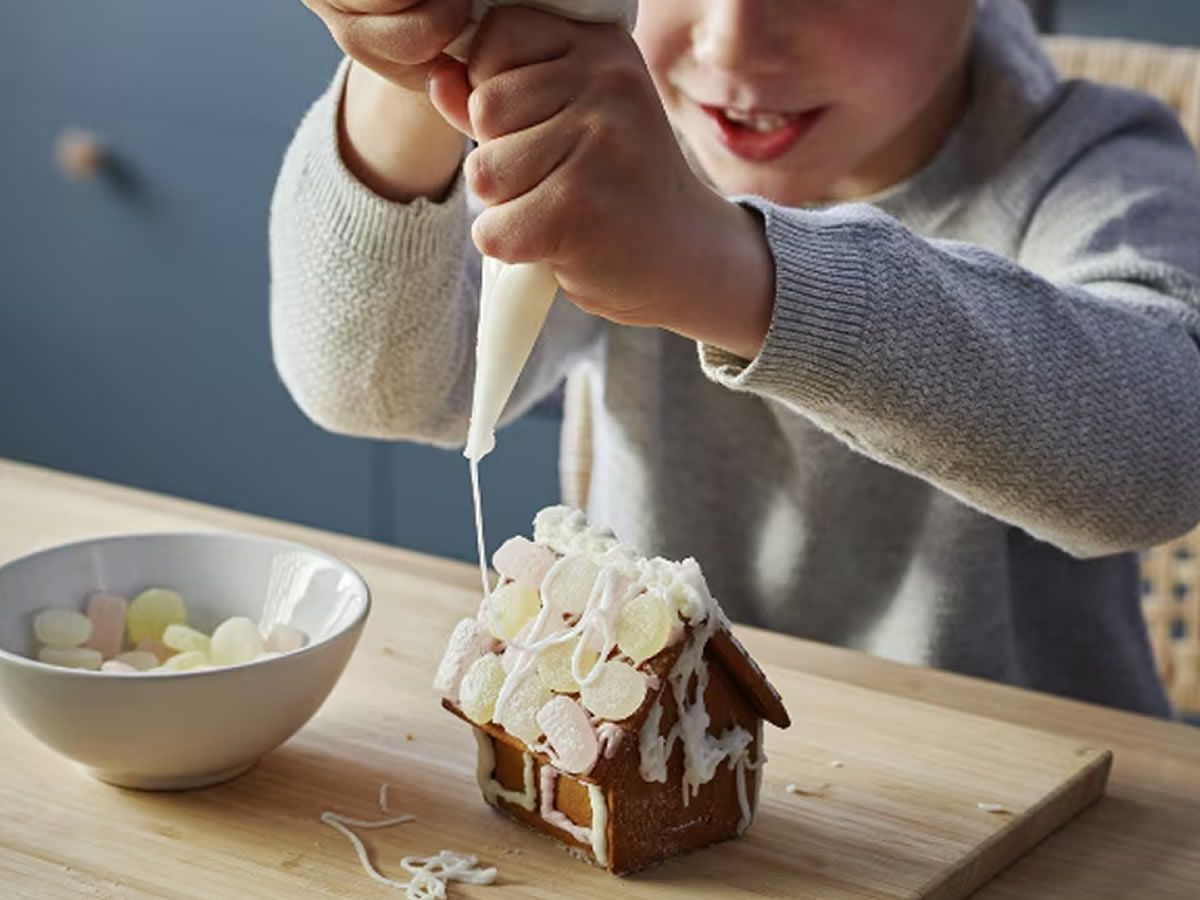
(515, 299)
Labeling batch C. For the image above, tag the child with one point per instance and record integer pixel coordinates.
(930, 424)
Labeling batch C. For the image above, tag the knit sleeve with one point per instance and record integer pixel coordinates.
(374, 303)
(1059, 392)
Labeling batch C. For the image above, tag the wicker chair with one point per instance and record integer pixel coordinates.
(1171, 572)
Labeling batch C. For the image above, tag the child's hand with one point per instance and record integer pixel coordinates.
(397, 39)
(580, 168)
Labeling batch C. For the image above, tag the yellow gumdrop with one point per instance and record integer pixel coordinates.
(569, 584)
(480, 688)
(185, 662)
(616, 692)
(644, 626)
(510, 607)
(185, 639)
(554, 666)
(518, 716)
(151, 612)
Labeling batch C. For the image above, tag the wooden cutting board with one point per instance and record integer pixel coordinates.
(897, 819)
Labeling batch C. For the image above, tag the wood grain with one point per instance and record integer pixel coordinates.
(899, 818)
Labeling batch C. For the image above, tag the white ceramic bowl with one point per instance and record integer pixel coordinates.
(180, 730)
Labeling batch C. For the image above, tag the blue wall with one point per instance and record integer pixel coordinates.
(1166, 21)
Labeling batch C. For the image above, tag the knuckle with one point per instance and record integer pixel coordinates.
(486, 106)
(480, 174)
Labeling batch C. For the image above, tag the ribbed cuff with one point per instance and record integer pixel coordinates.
(823, 286)
(356, 216)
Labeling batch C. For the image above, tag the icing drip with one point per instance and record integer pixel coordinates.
(556, 817)
(609, 734)
(599, 823)
(485, 767)
(479, 541)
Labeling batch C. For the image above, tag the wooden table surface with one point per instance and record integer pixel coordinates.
(1142, 840)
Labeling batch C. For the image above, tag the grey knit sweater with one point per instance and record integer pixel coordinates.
(978, 393)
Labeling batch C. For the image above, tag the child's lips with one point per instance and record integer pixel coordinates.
(758, 136)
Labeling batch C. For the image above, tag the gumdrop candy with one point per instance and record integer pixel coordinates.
(141, 660)
(186, 639)
(151, 612)
(236, 641)
(285, 638)
(510, 608)
(518, 713)
(520, 559)
(480, 689)
(157, 648)
(60, 629)
(185, 662)
(570, 585)
(468, 642)
(569, 734)
(71, 657)
(554, 666)
(117, 667)
(107, 613)
(616, 692)
(644, 626)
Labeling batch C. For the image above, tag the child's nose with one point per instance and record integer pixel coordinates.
(740, 35)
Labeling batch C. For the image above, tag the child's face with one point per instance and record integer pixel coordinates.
(801, 101)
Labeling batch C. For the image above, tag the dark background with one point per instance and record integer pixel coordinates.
(133, 310)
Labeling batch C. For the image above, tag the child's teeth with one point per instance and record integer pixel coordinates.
(757, 121)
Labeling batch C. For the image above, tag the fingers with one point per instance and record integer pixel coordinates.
(513, 36)
(532, 226)
(449, 92)
(507, 167)
(393, 35)
(521, 98)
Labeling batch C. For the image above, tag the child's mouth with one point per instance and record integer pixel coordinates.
(759, 136)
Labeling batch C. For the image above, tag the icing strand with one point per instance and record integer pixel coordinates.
(599, 806)
(556, 817)
(485, 767)
(479, 541)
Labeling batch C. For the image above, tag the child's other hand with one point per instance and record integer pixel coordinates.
(579, 167)
(397, 39)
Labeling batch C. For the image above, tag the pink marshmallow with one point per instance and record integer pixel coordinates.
(522, 560)
(569, 734)
(158, 648)
(107, 612)
(284, 639)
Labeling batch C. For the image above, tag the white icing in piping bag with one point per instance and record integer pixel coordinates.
(516, 298)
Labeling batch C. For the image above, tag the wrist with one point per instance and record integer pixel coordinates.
(730, 303)
(393, 140)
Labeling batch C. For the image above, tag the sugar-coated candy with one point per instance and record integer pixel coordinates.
(268, 654)
(185, 662)
(62, 628)
(520, 559)
(510, 607)
(616, 692)
(71, 657)
(285, 638)
(570, 585)
(107, 614)
(480, 688)
(151, 612)
(570, 734)
(235, 641)
(184, 638)
(117, 667)
(644, 626)
(554, 666)
(517, 714)
(141, 660)
(468, 642)
(155, 647)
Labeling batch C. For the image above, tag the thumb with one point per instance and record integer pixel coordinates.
(449, 89)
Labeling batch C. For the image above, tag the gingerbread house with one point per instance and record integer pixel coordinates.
(612, 706)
